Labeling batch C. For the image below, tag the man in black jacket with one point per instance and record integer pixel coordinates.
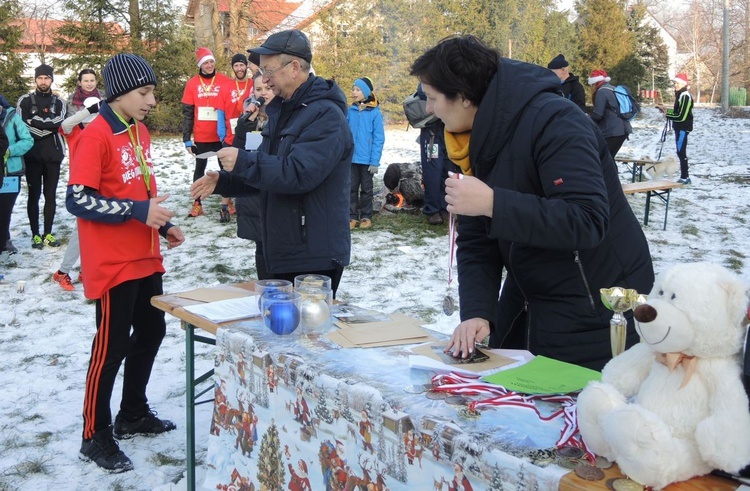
(571, 87)
(302, 167)
(43, 112)
(539, 197)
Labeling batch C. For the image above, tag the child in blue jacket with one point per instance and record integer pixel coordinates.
(366, 122)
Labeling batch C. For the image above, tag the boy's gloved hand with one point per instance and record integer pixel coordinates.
(94, 108)
(373, 169)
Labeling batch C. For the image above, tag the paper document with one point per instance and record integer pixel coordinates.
(253, 139)
(425, 358)
(544, 375)
(227, 310)
(205, 155)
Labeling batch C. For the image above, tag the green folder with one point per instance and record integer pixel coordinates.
(544, 375)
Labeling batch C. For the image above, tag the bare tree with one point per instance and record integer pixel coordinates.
(42, 13)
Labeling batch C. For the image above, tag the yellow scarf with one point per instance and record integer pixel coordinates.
(457, 146)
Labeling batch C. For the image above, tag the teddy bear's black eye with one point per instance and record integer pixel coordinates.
(661, 292)
(673, 296)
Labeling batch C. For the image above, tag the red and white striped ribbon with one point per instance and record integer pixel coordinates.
(501, 397)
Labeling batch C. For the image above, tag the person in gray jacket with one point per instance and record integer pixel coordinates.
(606, 112)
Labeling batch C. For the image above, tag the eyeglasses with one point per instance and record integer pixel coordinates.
(270, 73)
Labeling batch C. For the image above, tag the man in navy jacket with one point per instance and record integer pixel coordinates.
(302, 167)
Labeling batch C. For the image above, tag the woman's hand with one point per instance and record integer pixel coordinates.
(467, 334)
(469, 196)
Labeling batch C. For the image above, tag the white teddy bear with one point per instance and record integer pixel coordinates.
(673, 406)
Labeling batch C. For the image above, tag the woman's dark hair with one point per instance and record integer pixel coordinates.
(458, 65)
(84, 72)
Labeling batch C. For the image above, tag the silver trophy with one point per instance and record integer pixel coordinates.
(620, 300)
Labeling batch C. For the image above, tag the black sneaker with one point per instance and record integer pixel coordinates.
(104, 451)
(224, 215)
(10, 247)
(36, 242)
(148, 424)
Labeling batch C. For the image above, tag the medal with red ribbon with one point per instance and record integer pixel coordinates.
(497, 396)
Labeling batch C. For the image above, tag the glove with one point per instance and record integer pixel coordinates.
(6, 156)
(189, 147)
(373, 169)
(94, 108)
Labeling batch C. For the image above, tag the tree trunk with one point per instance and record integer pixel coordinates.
(134, 12)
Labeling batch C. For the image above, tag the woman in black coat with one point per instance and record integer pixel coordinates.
(539, 198)
(253, 120)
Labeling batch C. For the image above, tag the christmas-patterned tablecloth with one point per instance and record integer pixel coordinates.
(296, 412)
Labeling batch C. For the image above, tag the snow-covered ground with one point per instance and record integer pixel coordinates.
(46, 333)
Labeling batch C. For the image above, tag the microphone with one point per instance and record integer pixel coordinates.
(257, 103)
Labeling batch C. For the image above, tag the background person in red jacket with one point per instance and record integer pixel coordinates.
(201, 101)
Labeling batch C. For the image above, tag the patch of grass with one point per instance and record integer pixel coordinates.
(33, 466)
(43, 438)
(161, 459)
(408, 227)
(118, 486)
(735, 179)
(690, 230)
(735, 253)
(222, 269)
(735, 264)
(6, 486)
(11, 442)
(32, 417)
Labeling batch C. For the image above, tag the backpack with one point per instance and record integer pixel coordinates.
(628, 107)
(415, 110)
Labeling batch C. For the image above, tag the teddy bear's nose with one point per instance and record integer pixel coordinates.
(644, 313)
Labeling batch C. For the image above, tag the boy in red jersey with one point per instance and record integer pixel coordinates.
(112, 191)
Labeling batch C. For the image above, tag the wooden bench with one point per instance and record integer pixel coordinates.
(658, 189)
(635, 165)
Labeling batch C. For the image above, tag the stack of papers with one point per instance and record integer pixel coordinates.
(232, 309)
(398, 329)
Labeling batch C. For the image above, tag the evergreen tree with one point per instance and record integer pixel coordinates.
(12, 84)
(437, 441)
(604, 35)
(89, 35)
(168, 46)
(382, 455)
(399, 471)
(271, 473)
(322, 409)
(496, 481)
(560, 37)
(649, 62)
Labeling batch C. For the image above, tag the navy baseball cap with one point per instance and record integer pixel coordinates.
(292, 42)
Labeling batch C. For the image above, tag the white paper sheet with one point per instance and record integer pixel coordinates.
(227, 310)
(253, 140)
